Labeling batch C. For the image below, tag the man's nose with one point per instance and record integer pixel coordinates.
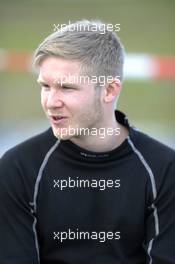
(54, 99)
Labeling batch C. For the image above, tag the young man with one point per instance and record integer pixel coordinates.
(91, 189)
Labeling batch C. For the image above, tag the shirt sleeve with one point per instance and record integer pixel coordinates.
(17, 238)
(160, 222)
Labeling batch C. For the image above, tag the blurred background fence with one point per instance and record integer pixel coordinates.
(147, 31)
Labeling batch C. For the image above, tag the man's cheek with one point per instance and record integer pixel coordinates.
(43, 103)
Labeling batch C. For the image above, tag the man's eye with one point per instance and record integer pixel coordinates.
(67, 87)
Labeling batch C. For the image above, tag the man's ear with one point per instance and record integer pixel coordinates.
(112, 91)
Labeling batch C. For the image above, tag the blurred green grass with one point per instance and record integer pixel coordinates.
(146, 27)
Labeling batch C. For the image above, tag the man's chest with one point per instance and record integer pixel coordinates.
(110, 200)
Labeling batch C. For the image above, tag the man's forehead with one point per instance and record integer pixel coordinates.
(60, 78)
(56, 64)
(55, 70)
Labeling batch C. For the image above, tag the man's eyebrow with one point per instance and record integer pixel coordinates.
(60, 84)
(71, 85)
(41, 81)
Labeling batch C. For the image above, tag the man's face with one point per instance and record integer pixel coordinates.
(68, 102)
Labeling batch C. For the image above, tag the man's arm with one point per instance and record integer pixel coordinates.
(160, 231)
(17, 238)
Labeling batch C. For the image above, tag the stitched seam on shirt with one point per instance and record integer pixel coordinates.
(153, 185)
(36, 188)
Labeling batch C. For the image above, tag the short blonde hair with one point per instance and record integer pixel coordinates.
(99, 54)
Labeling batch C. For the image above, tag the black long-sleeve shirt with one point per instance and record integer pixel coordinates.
(62, 204)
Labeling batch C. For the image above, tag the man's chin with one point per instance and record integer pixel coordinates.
(60, 135)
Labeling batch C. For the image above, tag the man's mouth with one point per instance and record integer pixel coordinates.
(57, 119)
